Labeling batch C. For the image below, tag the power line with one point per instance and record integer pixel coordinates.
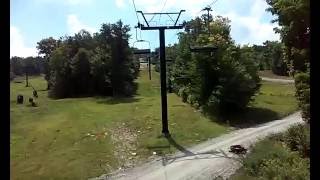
(213, 3)
(210, 5)
(163, 6)
(135, 10)
(160, 11)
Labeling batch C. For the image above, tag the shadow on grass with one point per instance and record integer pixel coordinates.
(251, 116)
(178, 146)
(116, 100)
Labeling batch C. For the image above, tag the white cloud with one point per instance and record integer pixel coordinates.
(120, 3)
(78, 2)
(75, 25)
(67, 2)
(247, 26)
(254, 30)
(17, 46)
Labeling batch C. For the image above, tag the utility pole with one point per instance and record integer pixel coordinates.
(149, 67)
(27, 69)
(208, 9)
(161, 29)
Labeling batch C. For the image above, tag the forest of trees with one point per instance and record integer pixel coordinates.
(85, 65)
(32, 65)
(269, 56)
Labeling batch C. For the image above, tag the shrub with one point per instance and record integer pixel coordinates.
(302, 83)
(266, 149)
(297, 138)
(223, 81)
(271, 160)
(290, 167)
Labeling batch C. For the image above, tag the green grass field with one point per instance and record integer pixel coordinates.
(77, 138)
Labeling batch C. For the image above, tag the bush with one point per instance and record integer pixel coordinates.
(270, 160)
(266, 149)
(297, 138)
(290, 167)
(302, 83)
(223, 81)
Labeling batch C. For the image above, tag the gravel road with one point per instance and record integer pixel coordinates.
(207, 160)
(277, 80)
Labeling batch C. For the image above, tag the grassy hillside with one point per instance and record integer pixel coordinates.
(85, 137)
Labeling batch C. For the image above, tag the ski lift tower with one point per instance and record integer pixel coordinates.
(161, 29)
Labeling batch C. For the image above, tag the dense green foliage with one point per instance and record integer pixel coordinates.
(302, 83)
(293, 16)
(281, 156)
(224, 80)
(46, 47)
(270, 57)
(32, 65)
(83, 65)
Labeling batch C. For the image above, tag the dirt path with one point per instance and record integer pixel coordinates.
(277, 80)
(207, 160)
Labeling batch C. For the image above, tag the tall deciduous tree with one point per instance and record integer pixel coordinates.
(46, 47)
(293, 16)
(225, 80)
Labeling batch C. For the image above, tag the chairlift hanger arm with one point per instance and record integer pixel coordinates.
(143, 15)
(161, 27)
(160, 13)
(179, 16)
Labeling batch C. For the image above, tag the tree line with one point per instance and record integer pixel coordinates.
(32, 65)
(86, 65)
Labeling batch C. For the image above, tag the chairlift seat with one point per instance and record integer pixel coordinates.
(203, 48)
(142, 51)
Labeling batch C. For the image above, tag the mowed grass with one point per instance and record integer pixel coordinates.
(51, 141)
(273, 101)
(270, 74)
(279, 98)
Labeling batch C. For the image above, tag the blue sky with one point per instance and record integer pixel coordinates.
(33, 20)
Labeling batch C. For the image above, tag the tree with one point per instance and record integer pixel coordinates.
(122, 71)
(85, 65)
(16, 65)
(60, 77)
(46, 47)
(224, 81)
(293, 16)
(80, 72)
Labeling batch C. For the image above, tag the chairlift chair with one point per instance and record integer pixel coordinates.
(147, 52)
(208, 48)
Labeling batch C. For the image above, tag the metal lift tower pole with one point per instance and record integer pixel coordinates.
(164, 106)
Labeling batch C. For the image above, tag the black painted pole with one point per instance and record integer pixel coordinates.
(149, 66)
(27, 82)
(165, 129)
